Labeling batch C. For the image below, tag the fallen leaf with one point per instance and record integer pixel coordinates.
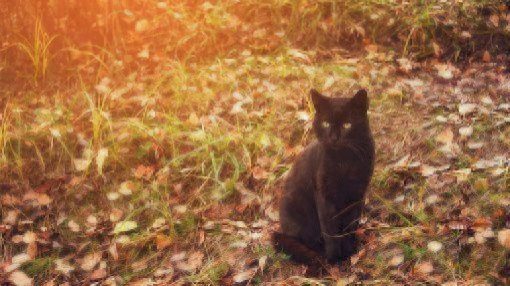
(329, 82)
(19, 278)
(428, 171)
(63, 267)
(40, 199)
(504, 238)
(466, 131)
(142, 25)
(163, 241)
(73, 226)
(126, 188)
(143, 54)
(11, 217)
(466, 108)
(193, 262)
(494, 19)
(473, 145)
(90, 261)
(424, 268)
(434, 246)
(445, 137)
(29, 237)
(112, 196)
(486, 56)
(296, 54)
(143, 171)
(116, 215)
(81, 164)
(98, 274)
(125, 226)
(245, 275)
(102, 154)
(397, 260)
(445, 71)
(20, 258)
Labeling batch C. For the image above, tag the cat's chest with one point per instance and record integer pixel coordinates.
(339, 169)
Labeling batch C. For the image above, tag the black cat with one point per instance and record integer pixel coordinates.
(324, 192)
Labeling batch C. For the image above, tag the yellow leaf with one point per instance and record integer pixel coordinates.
(125, 226)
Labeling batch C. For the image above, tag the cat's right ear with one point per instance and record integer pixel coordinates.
(320, 102)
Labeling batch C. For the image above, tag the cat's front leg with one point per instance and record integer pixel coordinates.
(330, 228)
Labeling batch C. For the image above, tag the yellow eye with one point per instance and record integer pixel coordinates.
(347, 126)
(325, 124)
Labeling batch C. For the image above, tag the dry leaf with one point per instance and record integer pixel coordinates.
(245, 275)
(494, 19)
(81, 164)
(397, 260)
(163, 241)
(90, 261)
(424, 268)
(504, 238)
(125, 226)
(98, 274)
(63, 267)
(116, 215)
(100, 159)
(73, 226)
(126, 188)
(19, 278)
(142, 25)
(467, 108)
(329, 82)
(40, 199)
(486, 56)
(29, 237)
(466, 131)
(445, 137)
(434, 246)
(143, 171)
(194, 261)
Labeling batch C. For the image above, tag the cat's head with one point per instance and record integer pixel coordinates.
(339, 121)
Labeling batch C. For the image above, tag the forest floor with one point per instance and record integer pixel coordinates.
(121, 181)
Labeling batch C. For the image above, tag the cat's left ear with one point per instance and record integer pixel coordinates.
(360, 100)
(320, 102)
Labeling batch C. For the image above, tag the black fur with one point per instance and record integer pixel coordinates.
(324, 192)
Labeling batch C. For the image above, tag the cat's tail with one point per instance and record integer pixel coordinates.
(299, 252)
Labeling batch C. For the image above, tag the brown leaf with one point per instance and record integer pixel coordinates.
(98, 274)
(90, 261)
(32, 250)
(194, 261)
(145, 172)
(424, 268)
(245, 275)
(163, 241)
(494, 19)
(445, 137)
(504, 238)
(113, 251)
(19, 278)
(259, 173)
(486, 56)
(10, 200)
(40, 199)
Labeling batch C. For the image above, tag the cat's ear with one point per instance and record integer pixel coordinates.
(320, 102)
(360, 100)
